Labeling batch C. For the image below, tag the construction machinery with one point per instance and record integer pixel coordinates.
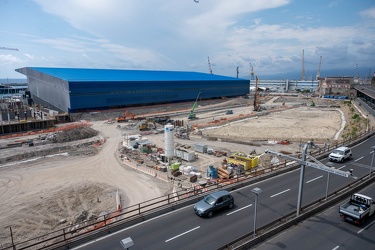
(144, 125)
(192, 114)
(246, 160)
(125, 117)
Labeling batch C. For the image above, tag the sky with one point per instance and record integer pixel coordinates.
(271, 36)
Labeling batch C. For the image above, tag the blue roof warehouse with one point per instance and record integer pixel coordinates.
(77, 89)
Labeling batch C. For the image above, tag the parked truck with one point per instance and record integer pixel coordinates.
(358, 209)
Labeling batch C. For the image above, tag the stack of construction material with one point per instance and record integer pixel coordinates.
(222, 173)
(187, 170)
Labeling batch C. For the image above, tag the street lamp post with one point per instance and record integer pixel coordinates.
(256, 191)
(330, 165)
(372, 161)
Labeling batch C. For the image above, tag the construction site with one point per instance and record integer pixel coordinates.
(104, 161)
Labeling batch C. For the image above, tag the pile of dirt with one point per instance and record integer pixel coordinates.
(75, 134)
(65, 207)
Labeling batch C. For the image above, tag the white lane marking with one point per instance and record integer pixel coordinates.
(183, 233)
(279, 193)
(360, 231)
(358, 159)
(342, 167)
(314, 179)
(337, 247)
(239, 209)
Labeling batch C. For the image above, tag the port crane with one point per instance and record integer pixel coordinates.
(192, 114)
(320, 64)
(252, 71)
(9, 48)
(209, 65)
(257, 107)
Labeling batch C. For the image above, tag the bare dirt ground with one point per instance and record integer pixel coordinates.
(44, 194)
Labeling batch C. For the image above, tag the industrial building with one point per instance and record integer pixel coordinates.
(78, 89)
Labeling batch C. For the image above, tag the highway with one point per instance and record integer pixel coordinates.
(326, 231)
(182, 229)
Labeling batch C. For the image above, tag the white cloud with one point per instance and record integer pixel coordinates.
(9, 59)
(180, 34)
(31, 57)
(369, 13)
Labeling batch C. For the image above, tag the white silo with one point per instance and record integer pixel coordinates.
(169, 140)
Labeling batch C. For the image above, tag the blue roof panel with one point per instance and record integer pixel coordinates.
(90, 75)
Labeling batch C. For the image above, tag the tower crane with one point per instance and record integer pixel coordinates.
(9, 48)
(257, 107)
(356, 79)
(209, 65)
(252, 72)
(320, 64)
(303, 65)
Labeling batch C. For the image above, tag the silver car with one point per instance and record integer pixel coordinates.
(214, 202)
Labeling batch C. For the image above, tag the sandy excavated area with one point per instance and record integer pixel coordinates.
(303, 123)
(36, 195)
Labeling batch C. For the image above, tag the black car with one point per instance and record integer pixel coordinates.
(214, 202)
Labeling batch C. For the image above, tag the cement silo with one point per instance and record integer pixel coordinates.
(169, 140)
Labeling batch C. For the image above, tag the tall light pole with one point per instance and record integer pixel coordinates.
(301, 179)
(310, 164)
(372, 161)
(330, 165)
(256, 191)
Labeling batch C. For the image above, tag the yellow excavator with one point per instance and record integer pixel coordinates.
(144, 124)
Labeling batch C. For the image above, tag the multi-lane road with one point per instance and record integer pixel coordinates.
(326, 231)
(182, 229)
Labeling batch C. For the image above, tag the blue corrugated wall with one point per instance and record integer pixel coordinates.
(97, 95)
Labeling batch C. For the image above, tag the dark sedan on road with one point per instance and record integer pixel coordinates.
(214, 202)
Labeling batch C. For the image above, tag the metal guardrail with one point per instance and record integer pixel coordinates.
(77, 234)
